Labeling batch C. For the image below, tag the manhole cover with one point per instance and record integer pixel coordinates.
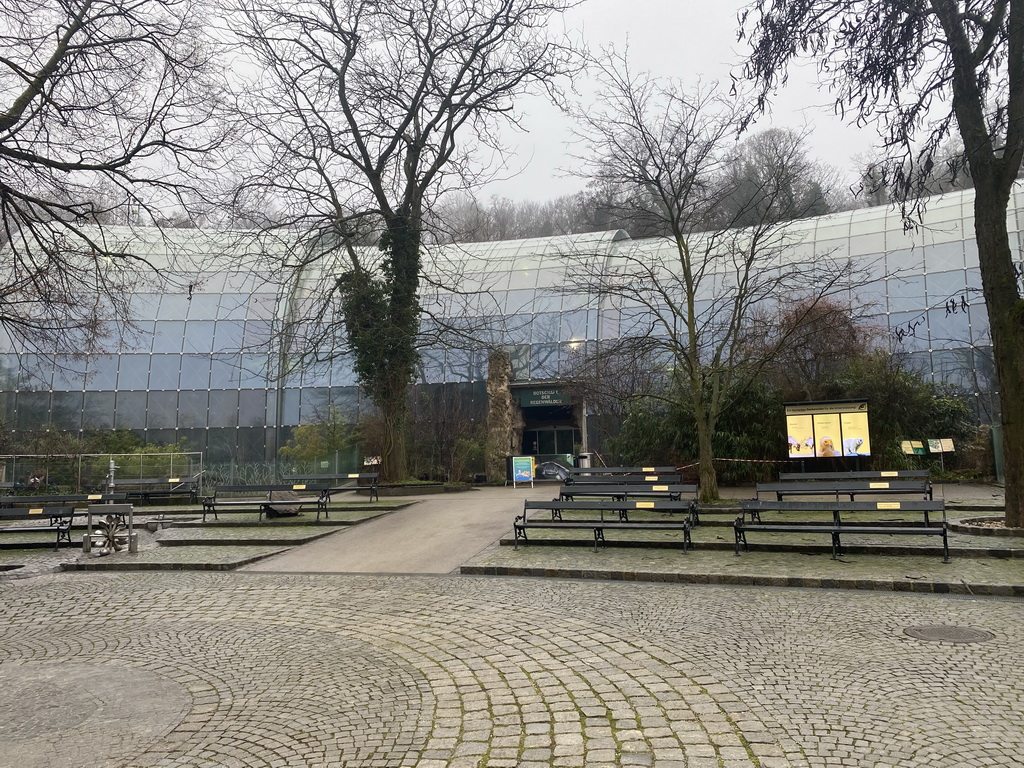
(949, 634)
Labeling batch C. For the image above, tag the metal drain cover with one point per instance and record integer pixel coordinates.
(949, 634)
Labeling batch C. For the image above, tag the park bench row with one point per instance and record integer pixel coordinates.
(750, 520)
(287, 499)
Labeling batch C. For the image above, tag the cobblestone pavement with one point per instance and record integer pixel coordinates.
(272, 670)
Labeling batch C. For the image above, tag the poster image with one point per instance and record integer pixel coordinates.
(855, 434)
(801, 436)
(827, 435)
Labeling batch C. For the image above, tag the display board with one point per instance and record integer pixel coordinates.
(828, 429)
(522, 469)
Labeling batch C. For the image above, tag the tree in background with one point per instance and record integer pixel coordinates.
(923, 69)
(691, 313)
(108, 115)
(362, 113)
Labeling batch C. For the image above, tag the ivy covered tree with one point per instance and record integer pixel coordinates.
(922, 70)
(361, 114)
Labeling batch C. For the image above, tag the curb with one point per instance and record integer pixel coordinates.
(877, 585)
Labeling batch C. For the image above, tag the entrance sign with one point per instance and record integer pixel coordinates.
(529, 398)
(828, 429)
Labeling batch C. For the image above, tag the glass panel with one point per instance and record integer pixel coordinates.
(66, 410)
(229, 335)
(545, 327)
(199, 336)
(102, 372)
(192, 409)
(290, 417)
(909, 330)
(251, 444)
(36, 373)
(163, 371)
(254, 371)
(162, 412)
(133, 372)
(225, 372)
(945, 256)
(314, 405)
(905, 293)
(99, 410)
(195, 439)
(221, 445)
(224, 408)
(911, 259)
(167, 336)
(130, 410)
(203, 306)
(161, 436)
(949, 328)
(346, 401)
(981, 333)
(252, 408)
(943, 286)
(195, 372)
(257, 334)
(69, 373)
(261, 306)
(144, 306)
(173, 307)
(431, 367)
(544, 363)
(233, 306)
(316, 375)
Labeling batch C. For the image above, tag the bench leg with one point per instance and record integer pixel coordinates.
(945, 545)
(520, 533)
(598, 537)
(687, 541)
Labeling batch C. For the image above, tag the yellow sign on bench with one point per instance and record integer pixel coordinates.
(887, 505)
(890, 473)
(651, 478)
(35, 511)
(94, 496)
(298, 487)
(647, 469)
(351, 476)
(173, 479)
(878, 485)
(645, 505)
(659, 487)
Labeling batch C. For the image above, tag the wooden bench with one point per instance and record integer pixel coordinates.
(884, 475)
(837, 526)
(74, 500)
(851, 488)
(599, 526)
(265, 505)
(627, 490)
(58, 520)
(573, 471)
(332, 480)
(660, 479)
(148, 488)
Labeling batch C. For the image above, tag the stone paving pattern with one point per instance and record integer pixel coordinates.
(176, 670)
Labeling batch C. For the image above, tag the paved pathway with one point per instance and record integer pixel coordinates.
(162, 670)
(435, 535)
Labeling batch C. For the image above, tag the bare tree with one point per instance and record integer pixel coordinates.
(923, 69)
(108, 108)
(687, 302)
(361, 115)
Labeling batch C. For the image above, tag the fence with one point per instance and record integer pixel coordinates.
(87, 473)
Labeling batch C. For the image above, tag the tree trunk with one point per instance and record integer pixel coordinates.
(501, 421)
(706, 456)
(1005, 314)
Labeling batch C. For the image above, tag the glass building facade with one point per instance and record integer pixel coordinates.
(209, 357)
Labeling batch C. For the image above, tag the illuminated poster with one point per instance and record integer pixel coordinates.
(801, 436)
(823, 430)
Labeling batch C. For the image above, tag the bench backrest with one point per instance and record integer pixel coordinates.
(598, 490)
(846, 486)
(622, 470)
(62, 500)
(153, 481)
(914, 505)
(35, 513)
(626, 479)
(655, 504)
(317, 478)
(317, 487)
(890, 474)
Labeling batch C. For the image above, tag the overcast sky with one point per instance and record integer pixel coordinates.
(685, 39)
